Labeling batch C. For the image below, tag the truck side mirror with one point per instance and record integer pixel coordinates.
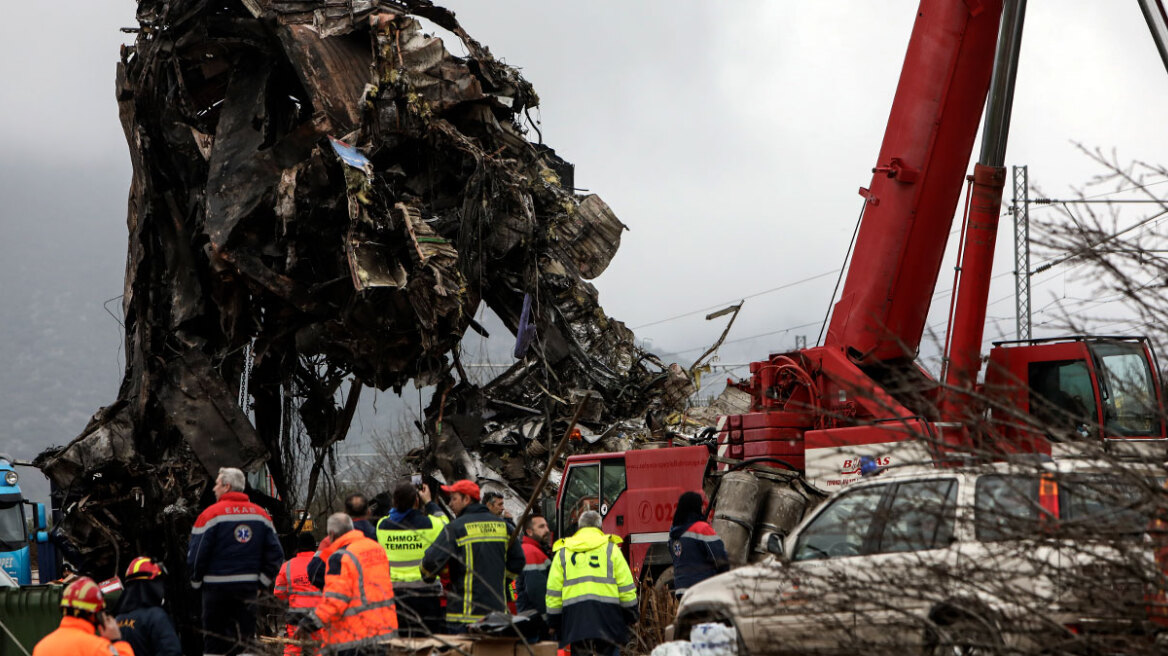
(41, 524)
(774, 544)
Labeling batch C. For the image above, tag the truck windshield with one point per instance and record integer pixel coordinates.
(1129, 395)
(11, 526)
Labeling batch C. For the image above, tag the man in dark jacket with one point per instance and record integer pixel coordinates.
(475, 547)
(141, 618)
(357, 507)
(234, 553)
(698, 553)
(405, 534)
(531, 586)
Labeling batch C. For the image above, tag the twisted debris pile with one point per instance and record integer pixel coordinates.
(322, 198)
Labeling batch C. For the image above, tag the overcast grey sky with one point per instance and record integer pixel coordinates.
(730, 137)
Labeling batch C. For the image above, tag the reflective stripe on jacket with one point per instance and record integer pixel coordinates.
(698, 553)
(292, 584)
(234, 545)
(531, 586)
(405, 541)
(356, 607)
(77, 637)
(590, 588)
(475, 547)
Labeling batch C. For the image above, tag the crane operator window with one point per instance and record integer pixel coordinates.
(1062, 396)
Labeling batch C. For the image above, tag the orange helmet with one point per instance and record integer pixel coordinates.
(83, 594)
(143, 569)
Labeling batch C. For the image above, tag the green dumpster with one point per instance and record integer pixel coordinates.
(28, 614)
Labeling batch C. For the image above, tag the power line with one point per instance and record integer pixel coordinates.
(743, 339)
(742, 298)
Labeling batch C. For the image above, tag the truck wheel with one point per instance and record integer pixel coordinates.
(664, 579)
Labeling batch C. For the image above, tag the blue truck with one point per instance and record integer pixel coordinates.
(16, 516)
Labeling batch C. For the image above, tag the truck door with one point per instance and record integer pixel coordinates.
(581, 493)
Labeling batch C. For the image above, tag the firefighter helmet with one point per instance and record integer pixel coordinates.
(83, 594)
(143, 569)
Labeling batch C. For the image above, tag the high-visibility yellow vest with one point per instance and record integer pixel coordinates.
(405, 548)
(589, 567)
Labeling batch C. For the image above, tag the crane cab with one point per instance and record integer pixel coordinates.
(1077, 388)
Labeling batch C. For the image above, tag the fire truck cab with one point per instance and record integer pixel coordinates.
(636, 492)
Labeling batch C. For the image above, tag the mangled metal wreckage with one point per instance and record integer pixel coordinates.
(322, 197)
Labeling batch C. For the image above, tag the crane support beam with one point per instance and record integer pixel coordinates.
(913, 195)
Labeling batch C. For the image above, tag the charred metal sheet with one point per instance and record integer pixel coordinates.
(201, 408)
(334, 71)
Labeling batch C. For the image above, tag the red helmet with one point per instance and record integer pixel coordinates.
(143, 569)
(83, 594)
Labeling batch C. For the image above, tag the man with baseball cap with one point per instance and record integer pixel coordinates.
(474, 546)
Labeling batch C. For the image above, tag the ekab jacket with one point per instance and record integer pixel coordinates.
(590, 590)
(143, 622)
(475, 547)
(531, 586)
(234, 546)
(405, 538)
(698, 553)
(356, 608)
(78, 637)
(149, 632)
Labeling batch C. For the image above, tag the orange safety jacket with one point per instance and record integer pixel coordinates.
(78, 637)
(292, 584)
(356, 608)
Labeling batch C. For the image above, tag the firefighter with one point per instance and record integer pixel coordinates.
(85, 629)
(234, 553)
(143, 622)
(293, 586)
(356, 609)
(591, 597)
(698, 553)
(475, 545)
(405, 533)
(531, 586)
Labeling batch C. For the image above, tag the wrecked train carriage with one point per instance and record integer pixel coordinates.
(322, 196)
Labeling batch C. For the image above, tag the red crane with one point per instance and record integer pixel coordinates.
(860, 400)
(861, 397)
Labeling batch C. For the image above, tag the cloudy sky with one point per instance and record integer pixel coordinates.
(730, 137)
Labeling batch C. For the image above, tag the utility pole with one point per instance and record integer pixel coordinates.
(1021, 212)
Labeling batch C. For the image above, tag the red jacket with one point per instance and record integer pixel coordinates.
(78, 637)
(292, 584)
(531, 586)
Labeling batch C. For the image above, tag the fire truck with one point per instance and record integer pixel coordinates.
(860, 401)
